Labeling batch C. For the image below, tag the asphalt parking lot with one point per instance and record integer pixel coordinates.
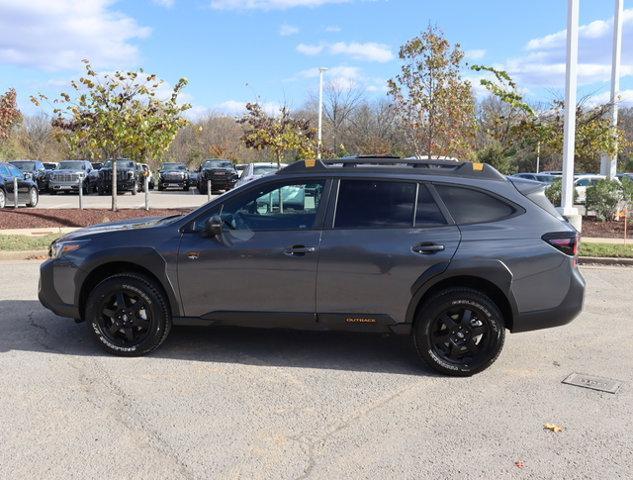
(231, 403)
(164, 199)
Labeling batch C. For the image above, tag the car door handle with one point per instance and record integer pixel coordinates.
(298, 250)
(193, 255)
(427, 248)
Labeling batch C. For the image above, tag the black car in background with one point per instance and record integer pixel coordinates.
(174, 175)
(222, 174)
(128, 178)
(28, 192)
(35, 168)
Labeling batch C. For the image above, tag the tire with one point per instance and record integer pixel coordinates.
(454, 342)
(134, 189)
(135, 335)
(3, 199)
(185, 188)
(160, 188)
(52, 192)
(34, 197)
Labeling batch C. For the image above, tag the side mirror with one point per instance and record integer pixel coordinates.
(213, 226)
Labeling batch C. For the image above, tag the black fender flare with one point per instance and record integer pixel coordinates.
(147, 258)
(491, 270)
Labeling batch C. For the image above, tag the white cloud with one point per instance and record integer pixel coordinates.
(344, 77)
(625, 98)
(309, 49)
(165, 3)
(55, 35)
(286, 30)
(333, 29)
(269, 4)
(543, 64)
(476, 54)
(370, 51)
(237, 107)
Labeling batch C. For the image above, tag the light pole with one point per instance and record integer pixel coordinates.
(569, 132)
(322, 70)
(609, 164)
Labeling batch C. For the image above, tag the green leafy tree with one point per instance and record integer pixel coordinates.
(604, 198)
(116, 115)
(432, 99)
(280, 134)
(529, 129)
(10, 116)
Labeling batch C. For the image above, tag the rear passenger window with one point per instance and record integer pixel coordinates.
(472, 206)
(427, 212)
(375, 204)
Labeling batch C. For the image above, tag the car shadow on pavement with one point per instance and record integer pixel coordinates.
(25, 325)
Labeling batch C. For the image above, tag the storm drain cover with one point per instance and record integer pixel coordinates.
(594, 383)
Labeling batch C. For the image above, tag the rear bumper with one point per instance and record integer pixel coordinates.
(56, 275)
(564, 313)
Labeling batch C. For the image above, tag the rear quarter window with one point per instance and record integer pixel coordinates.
(473, 206)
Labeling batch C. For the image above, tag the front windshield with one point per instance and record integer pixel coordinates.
(24, 166)
(218, 164)
(174, 167)
(70, 165)
(263, 169)
(119, 164)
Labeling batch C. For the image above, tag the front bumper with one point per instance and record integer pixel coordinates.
(564, 313)
(173, 182)
(56, 289)
(121, 186)
(63, 186)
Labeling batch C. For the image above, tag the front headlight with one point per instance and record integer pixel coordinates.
(59, 248)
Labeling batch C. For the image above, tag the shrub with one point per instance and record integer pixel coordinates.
(555, 190)
(604, 198)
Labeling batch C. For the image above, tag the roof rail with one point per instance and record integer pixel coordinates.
(430, 167)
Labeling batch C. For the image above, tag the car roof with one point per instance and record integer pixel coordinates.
(389, 164)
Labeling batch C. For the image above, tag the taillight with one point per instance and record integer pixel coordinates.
(566, 242)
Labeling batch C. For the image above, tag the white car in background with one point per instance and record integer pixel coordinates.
(581, 182)
(256, 170)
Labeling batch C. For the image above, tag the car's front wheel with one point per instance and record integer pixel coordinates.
(3, 199)
(34, 197)
(128, 314)
(459, 332)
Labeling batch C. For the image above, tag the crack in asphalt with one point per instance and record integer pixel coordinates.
(311, 446)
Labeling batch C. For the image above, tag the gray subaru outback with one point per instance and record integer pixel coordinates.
(450, 253)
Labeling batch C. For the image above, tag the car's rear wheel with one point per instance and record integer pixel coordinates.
(459, 332)
(34, 197)
(129, 314)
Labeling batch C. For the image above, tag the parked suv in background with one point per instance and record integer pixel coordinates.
(222, 174)
(35, 168)
(253, 171)
(173, 175)
(127, 177)
(450, 253)
(28, 194)
(65, 178)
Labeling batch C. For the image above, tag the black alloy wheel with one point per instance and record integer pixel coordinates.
(128, 314)
(459, 332)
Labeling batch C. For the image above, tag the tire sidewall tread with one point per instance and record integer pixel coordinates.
(426, 314)
(151, 293)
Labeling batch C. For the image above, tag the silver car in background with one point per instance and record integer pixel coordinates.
(253, 171)
(65, 178)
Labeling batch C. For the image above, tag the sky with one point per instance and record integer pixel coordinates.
(234, 51)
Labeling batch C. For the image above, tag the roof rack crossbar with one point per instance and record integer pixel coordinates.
(434, 167)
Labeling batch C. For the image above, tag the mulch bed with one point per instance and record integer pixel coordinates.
(611, 229)
(69, 217)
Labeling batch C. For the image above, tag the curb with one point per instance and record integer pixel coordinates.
(628, 262)
(24, 255)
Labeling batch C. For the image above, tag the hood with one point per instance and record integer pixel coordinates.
(119, 225)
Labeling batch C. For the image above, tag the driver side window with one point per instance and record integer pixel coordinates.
(272, 207)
